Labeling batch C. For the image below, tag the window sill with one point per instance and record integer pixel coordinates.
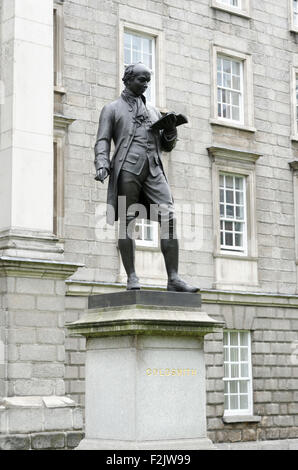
(230, 255)
(147, 248)
(294, 137)
(233, 11)
(294, 29)
(241, 419)
(242, 127)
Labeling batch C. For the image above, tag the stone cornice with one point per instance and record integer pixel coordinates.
(37, 268)
(210, 296)
(294, 165)
(144, 320)
(235, 155)
(62, 122)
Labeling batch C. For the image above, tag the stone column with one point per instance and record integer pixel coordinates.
(145, 371)
(34, 411)
(26, 129)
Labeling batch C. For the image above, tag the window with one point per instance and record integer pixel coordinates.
(229, 89)
(232, 203)
(237, 373)
(58, 190)
(234, 218)
(232, 91)
(236, 7)
(143, 43)
(61, 124)
(293, 15)
(295, 12)
(232, 3)
(58, 37)
(294, 104)
(141, 48)
(294, 167)
(146, 233)
(296, 96)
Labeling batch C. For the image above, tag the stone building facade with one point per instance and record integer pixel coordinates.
(229, 65)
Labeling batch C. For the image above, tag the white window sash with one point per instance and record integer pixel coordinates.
(154, 228)
(241, 9)
(153, 57)
(240, 92)
(249, 410)
(295, 13)
(296, 101)
(228, 248)
(230, 3)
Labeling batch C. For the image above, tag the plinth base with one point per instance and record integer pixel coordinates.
(179, 444)
(145, 371)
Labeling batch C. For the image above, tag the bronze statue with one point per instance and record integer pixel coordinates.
(136, 171)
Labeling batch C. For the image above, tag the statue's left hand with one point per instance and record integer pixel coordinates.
(170, 123)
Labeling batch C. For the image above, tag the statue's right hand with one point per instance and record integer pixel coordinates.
(101, 174)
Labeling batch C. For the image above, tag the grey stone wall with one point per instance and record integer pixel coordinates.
(33, 320)
(274, 332)
(91, 80)
(41, 441)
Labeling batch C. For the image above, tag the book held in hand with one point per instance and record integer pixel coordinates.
(180, 119)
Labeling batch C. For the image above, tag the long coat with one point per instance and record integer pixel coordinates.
(117, 123)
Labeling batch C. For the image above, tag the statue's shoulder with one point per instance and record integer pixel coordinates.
(115, 105)
(154, 112)
(111, 106)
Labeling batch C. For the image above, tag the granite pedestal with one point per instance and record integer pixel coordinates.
(145, 371)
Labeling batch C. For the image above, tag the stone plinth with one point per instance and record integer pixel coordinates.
(145, 371)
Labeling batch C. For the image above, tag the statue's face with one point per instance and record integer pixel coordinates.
(139, 83)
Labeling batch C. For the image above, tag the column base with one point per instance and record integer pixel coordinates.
(176, 444)
(39, 423)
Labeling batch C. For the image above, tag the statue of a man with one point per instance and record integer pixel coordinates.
(136, 172)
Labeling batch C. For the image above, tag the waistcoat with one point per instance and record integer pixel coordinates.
(143, 146)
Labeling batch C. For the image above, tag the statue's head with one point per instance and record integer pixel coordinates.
(136, 78)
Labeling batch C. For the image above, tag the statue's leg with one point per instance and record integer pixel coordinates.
(127, 248)
(129, 186)
(170, 250)
(169, 247)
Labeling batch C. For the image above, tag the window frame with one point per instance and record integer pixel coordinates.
(60, 128)
(247, 123)
(294, 103)
(234, 250)
(153, 70)
(58, 182)
(243, 11)
(292, 26)
(241, 92)
(238, 163)
(158, 36)
(58, 46)
(154, 244)
(248, 411)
